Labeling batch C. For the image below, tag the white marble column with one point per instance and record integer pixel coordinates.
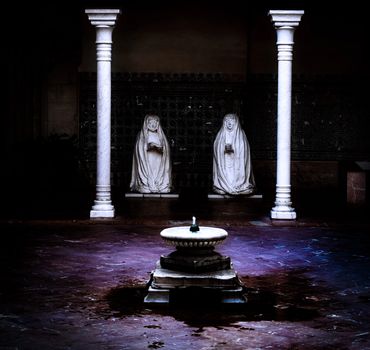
(285, 22)
(104, 21)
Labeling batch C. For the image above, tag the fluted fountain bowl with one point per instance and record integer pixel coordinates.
(182, 237)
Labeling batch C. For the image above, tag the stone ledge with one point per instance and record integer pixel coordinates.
(151, 195)
(166, 279)
(221, 296)
(226, 196)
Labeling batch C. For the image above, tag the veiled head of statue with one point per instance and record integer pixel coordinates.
(230, 121)
(152, 122)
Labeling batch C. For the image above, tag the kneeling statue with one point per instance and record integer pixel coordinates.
(232, 167)
(151, 166)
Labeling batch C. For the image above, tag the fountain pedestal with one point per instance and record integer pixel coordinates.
(194, 269)
(195, 260)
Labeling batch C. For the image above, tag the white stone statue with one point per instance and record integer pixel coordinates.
(232, 168)
(151, 166)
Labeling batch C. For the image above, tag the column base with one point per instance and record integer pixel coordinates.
(95, 214)
(102, 211)
(283, 214)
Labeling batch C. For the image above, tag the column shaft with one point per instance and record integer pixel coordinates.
(104, 21)
(285, 23)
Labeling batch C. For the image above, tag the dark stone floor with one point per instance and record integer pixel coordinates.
(80, 284)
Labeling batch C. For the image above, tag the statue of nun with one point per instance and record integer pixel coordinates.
(151, 166)
(232, 168)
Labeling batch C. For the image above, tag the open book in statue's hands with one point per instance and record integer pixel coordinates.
(155, 147)
(229, 148)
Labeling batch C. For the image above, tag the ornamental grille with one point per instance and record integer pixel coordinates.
(330, 117)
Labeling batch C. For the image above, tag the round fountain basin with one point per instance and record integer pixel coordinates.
(182, 237)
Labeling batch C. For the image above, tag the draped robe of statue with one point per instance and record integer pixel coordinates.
(232, 168)
(151, 166)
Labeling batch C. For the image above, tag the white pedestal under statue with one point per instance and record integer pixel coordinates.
(232, 167)
(151, 164)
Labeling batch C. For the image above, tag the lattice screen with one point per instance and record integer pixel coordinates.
(191, 109)
(330, 119)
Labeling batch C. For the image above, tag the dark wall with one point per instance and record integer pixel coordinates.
(41, 50)
(177, 36)
(332, 38)
(50, 50)
(329, 108)
(233, 37)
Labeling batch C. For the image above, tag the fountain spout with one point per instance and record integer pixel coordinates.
(194, 226)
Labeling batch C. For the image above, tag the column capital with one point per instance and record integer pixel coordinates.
(286, 18)
(103, 17)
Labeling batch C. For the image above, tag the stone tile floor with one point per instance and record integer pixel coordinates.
(80, 284)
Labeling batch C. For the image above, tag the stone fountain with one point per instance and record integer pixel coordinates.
(194, 266)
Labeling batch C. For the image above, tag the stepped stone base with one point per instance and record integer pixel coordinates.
(221, 286)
